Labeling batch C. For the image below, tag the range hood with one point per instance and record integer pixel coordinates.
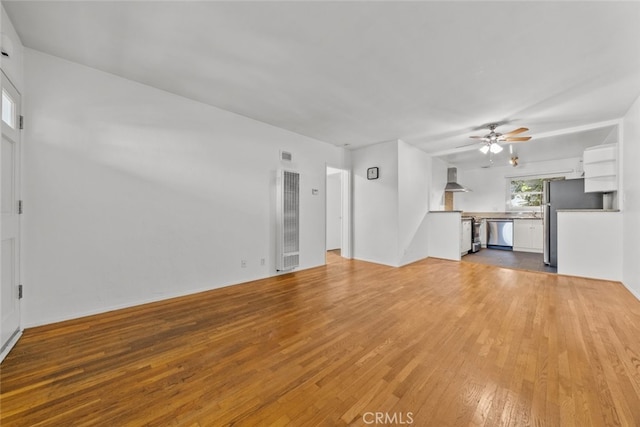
(452, 178)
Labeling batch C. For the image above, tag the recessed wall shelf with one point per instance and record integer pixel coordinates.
(601, 168)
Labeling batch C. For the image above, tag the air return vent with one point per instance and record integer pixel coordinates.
(286, 156)
(288, 220)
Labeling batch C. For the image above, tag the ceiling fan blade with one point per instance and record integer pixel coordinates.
(516, 139)
(515, 132)
(477, 137)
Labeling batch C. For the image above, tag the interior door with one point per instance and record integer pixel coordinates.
(10, 229)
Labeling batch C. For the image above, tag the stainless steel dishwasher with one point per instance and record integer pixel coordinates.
(500, 234)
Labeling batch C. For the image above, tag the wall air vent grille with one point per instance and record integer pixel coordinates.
(288, 220)
(286, 156)
(291, 261)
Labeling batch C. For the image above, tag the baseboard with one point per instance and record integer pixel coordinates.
(634, 293)
(12, 342)
(528, 250)
(374, 262)
(133, 303)
(142, 301)
(413, 260)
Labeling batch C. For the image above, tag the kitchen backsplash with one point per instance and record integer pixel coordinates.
(527, 214)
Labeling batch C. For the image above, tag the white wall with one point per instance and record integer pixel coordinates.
(375, 204)
(589, 244)
(12, 66)
(438, 183)
(489, 186)
(135, 194)
(334, 211)
(631, 199)
(414, 175)
(445, 230)
(390, 213)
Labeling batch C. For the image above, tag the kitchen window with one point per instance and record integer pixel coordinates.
(525, 194)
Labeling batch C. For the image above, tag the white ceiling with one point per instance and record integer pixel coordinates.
(358, 73)
(536, 150)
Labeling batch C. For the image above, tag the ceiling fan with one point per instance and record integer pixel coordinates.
(492, 140)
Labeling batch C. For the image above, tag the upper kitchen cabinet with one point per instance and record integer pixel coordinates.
(601, 168)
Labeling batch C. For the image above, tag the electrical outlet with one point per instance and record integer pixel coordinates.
(243, 263)
(261, 261)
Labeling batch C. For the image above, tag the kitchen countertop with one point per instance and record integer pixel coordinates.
(503, 215)
(588, 210)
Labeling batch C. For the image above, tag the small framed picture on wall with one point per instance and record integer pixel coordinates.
(372, 173)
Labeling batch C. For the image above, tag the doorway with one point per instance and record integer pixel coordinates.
(337, 230)
(11, 208)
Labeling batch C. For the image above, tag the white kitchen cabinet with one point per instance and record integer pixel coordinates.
(527, 235)
(537, 235)
(465, 236)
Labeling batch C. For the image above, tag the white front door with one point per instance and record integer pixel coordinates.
(10, 232)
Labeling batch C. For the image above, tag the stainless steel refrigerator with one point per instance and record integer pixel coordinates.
(564, 194)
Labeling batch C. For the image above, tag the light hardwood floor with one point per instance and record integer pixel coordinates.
(438, 343)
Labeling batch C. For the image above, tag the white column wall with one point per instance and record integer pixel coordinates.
(390, 213)
(437, 184)
(631, 199)
(375, 204)
(414, 174)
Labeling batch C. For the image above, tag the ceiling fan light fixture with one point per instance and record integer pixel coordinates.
(491, 140)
